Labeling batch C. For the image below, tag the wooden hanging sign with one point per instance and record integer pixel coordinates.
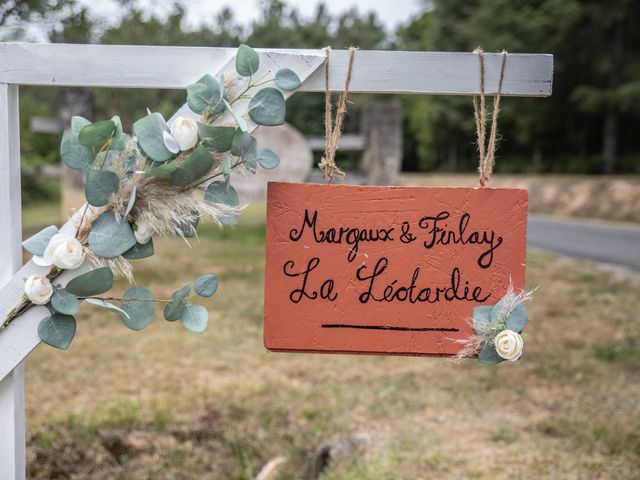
(387, 270)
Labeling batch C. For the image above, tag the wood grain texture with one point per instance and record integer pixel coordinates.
(12, 433)
(355, 322)
(436, 73)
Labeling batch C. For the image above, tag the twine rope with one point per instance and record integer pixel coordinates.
(487, 150)
(333, 128)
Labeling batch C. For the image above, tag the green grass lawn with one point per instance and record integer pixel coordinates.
(166, 403)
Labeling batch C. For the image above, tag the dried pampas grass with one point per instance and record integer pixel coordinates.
(157, 201)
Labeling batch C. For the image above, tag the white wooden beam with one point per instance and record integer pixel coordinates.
(12, 435)
(435, 73)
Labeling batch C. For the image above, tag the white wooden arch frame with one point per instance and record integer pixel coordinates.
(396, 72)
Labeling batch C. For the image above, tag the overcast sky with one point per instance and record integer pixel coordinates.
(390, 12)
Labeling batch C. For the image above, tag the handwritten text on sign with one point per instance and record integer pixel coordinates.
(387, 269)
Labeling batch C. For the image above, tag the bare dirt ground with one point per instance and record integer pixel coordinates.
(164, 403)
(613, 198)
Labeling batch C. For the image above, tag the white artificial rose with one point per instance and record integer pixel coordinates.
(38, 289)
(508, 345)
(46, 260)
(170, 142)
(143, 232)
(69, 254)
(185, 132)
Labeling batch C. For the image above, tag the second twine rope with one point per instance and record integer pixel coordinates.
(333, 128)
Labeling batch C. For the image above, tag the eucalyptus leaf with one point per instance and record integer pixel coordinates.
(218, 193)
(99, 186)
(206, 92)
(244, 146)
(247, 61)
(118, 124)
(120, 143)
(108, 305)
(64, 302)
(91, 283)
(57, 330)
(139, 250)
(132, 201)
(206, 285)
(188, 229)
(96, 134)
(518, 318)
(173, 310)
(77, 123)
(488, 355)
(500, 311)
(268, 159)
(242, 123)
(138, 305)
(164, 170)
(218, 139)
(195, 318)
(131, 164)
(251, 165)
(148, 130)
(481, 318)
(37, 244)
(73, 154)
(104, 160)
(226, 165)
(110, 236)
(197, 164)
(287, 79)
(268, 107)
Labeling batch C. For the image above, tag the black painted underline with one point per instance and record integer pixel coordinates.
(386, 327)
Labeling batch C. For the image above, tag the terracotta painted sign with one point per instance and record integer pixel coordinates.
(390, 270)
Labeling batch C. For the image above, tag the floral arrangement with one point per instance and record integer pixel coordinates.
(161, 180)
(497, 330)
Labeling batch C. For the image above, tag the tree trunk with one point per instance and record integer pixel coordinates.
(610, 127)
(452, 156)
(610, 141)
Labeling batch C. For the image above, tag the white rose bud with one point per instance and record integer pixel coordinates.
(508, 345)
(185, 132)
(47, 257)
(143, 232)
(69, 254)
(38, 289)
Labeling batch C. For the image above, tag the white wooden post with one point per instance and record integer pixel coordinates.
(12, 420)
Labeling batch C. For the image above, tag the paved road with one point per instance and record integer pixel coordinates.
(617, 245)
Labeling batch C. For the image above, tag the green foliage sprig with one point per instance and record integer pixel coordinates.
(160, 180)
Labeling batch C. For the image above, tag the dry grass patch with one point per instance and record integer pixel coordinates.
(605, 197)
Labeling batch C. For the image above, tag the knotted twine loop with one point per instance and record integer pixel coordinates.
(487, 151)
(333, 129)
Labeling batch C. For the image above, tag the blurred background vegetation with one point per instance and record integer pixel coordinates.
(589, 125)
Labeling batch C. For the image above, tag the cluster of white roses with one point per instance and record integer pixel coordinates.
(67, 253)
(509, 345)
(183, 136)
(64, 252)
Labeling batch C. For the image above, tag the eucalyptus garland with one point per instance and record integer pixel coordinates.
(161, 180)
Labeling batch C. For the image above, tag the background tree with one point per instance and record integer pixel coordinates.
(578, 129)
